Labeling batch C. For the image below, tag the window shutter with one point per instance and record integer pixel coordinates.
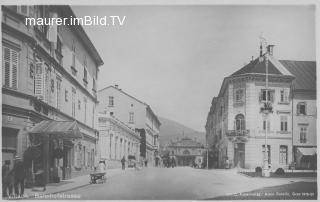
(6, 66)
(39, 81)
(14, 62)
(298, 108)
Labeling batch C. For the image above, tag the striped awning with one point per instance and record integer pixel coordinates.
(61, 129)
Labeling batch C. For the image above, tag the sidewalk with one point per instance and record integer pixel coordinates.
(70, 184)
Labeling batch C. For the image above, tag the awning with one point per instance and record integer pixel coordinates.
(307, 151)
(61, 129)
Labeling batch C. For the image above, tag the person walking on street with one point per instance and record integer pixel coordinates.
(19, 174)
(173, 162)
(123, 161)
(146, 163)
(7, 179)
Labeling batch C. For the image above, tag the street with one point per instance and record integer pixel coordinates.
(180, 183)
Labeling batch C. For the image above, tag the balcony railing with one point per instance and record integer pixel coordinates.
(237, 133)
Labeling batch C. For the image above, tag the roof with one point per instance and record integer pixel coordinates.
(145, 104)
(62, 129)
(185, 142)
(305, 73)
(256, 66)
(82, 35)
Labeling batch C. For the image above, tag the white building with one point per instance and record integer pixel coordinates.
(236, 128)
(135, 113)
(304, 112)
(116, 139)
(239, 123)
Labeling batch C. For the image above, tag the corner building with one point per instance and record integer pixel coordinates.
(49, 73)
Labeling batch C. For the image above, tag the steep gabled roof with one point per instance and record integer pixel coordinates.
(305, 73)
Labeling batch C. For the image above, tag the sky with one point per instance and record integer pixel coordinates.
(175, 57)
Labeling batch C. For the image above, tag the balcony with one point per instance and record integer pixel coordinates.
(237, 133)
(266, 108)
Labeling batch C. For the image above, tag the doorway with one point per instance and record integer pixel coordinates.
(239, 155)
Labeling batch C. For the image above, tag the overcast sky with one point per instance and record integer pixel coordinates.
(175, 57)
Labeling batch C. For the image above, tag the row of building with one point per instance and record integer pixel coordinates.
(237, 126)
(52, 113)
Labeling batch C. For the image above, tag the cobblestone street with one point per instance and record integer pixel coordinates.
(181, 183)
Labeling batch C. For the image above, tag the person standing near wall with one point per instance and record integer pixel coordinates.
(123, 161)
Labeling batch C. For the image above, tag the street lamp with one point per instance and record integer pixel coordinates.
(266, 110)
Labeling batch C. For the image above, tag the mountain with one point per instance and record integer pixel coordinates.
(171, 130)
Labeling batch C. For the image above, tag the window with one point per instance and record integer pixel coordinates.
(66, 95)
(283, 154)
(266, 124)
(111, 101)
(73, 102)
(283, 123)
(79, 105)
(268, 153)
(240, 122)
(303, 134)
(73, 58)
(10, 67)
(239, 95)
(85, 110)
(284, 96)
(58, 92)
(266, 94)
(31, 70)
(85, 74)
(59, 47)
(131, 117)
(301, 108)
(94, 87)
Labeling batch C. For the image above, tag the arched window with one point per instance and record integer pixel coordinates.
(240, 122)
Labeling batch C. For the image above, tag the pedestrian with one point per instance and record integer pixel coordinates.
(19, 174)
(146, 163)
(7, 179)
(102, 166)
(173, 162)
(123, 160)
(227, 163)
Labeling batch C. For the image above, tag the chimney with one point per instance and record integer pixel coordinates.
(260, 49)
(116, 86)
(270, 49)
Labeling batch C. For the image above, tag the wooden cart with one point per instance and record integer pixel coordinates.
(97, 176)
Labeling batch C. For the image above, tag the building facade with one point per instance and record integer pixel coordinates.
(48, 73)
(116, 140)
(304, 112)
(236, 125)
(187, 152)
(135, 113)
